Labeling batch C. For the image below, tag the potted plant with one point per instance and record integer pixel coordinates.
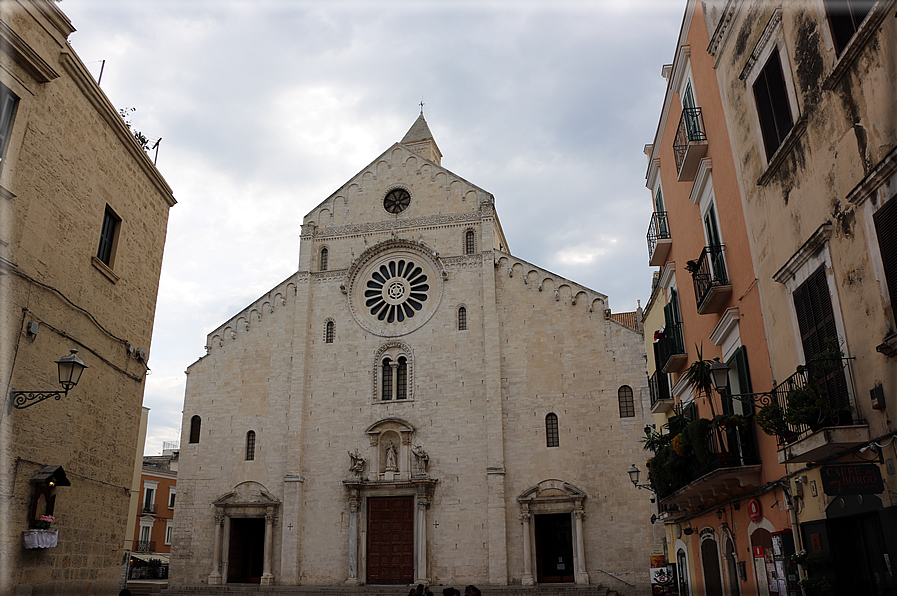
(42, 535)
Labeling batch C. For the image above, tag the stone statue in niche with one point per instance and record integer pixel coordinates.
(358, 462)
(423, 460)
(392, 463)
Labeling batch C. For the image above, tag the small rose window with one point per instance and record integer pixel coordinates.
(396, 291)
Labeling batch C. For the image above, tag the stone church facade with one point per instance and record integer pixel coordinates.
(414, 404)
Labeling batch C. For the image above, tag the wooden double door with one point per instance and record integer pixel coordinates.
(554, 548)
(390, 540)
(246, 551)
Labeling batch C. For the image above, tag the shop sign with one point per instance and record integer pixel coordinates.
(754, 510)
(851, 479)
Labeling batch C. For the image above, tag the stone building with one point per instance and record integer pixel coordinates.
(83, 217)
(414, 404)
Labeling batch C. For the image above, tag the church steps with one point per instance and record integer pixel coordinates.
(242, 589)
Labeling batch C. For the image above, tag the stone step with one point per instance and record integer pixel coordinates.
(245, 589)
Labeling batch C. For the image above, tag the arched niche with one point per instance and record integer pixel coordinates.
(386, 433)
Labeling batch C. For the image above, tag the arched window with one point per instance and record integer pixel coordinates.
(551, 430)
(469, 242)
(627, 407)
(402, 379)
(195, 424)
(328, 332)
(386, 378)
(324, 254)
(250, 445)
(462, 319)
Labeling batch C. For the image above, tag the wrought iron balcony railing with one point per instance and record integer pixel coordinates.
(658, 229)
(660, 388)
(691, 130)
(670, 349)
(144, 546)
(817, 396)
(709, 275)
(149, 508)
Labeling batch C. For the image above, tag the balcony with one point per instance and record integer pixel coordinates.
(149, 508)
(711, 280)
(723, 465)
(661, 400)
(812, 414)
(144, 546)
(690, 145)
(669, 350)
(659, 241)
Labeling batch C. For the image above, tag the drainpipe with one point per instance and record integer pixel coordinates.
(791, 503)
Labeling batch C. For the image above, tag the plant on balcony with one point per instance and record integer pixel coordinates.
(771, 419)
(45, 522)
(677, 452)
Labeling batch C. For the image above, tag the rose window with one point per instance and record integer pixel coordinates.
(396, 291)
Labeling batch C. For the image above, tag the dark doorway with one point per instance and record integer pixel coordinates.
(390, 547)
(554, 547)
(861, 556)
(713, 583)
(246, 551)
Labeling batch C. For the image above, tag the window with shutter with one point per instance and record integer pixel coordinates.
(886, 229)
(773, 110)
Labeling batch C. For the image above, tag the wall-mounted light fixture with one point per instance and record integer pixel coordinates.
(633, 476)
(70, 369)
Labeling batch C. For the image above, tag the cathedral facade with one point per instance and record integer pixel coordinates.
(414, 404)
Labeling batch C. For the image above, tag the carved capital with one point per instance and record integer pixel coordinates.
(219, 520)
(525, 517)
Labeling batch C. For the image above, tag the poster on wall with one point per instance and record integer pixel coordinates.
(663, 581)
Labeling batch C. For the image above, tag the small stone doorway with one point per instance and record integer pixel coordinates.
(246, 551)
(554, 547)
(390, 543)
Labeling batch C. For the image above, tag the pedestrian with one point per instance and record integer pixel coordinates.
(449, 591)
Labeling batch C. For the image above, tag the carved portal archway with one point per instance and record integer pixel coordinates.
(547, 498)
(247, 500)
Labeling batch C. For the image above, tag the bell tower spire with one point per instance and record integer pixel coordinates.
(420, 140)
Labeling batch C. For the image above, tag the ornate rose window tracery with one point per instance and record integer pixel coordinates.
(395, 287)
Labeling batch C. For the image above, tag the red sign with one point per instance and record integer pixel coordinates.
(758, 552)
(754, 510)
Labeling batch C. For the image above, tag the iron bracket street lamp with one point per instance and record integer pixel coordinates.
(719, 372)
(633, 475)
(70, 369)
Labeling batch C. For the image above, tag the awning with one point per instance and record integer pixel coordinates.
(147, 556)
(54, 474)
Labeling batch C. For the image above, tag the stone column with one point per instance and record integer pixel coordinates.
(527, 579)
(581, 576)
(215, 575)
(354, 506)
(395, 379)
(267, 576)
(420, 541)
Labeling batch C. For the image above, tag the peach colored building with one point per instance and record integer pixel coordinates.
(155, 513)
(712, 467)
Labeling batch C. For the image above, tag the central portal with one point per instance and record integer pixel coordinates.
(390, 544)
(246, 552)
(554, 547)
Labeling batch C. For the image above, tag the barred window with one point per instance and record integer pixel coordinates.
(462, 319)
(551, 430)
(195, 425)
(627, 406)
(250, 445)
(324, 255)
(329, 332)
(469, 242)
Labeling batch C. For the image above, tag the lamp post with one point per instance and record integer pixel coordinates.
(70, 368)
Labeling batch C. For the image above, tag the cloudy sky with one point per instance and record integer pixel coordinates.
(266, 107)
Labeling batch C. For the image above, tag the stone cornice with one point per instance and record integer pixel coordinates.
(25, 56)
(395, 224)
(774, 22)
(809, 249)
(874, 179)
(723, 29)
